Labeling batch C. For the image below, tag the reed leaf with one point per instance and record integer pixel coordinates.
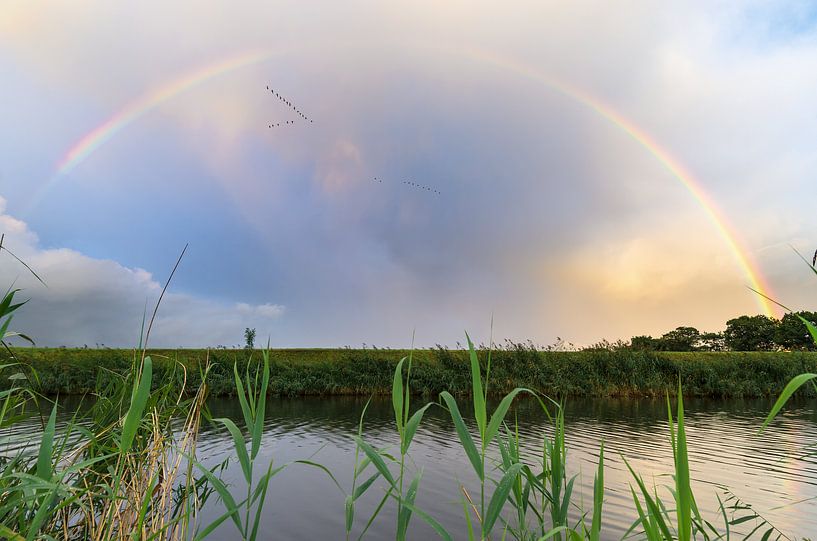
(9, 534)
(263, 483)
(480, 413)
(499, 415)
(788, 391)
(364, 486)
(260, 412)
(407, 505)
(654, 516)
(240, 445)
(553, 533)
(242, 398)
(598, 498)
(397, 397)
(137, 407)
(465, 436)
(499, 498)
(411, 427)
(428, 519)
(44, 457)
(376, 459)
(226, 498)
(683, 490)
(41, 514)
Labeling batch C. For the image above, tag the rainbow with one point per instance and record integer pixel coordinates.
(671, 164)
(131, 112)
(104, 132)
(134, 110)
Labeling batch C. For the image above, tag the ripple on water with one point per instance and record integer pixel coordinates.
(772, 471)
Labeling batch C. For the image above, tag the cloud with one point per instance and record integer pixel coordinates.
(265, 310)
(340, 167)
(551, 217)
(92, 301)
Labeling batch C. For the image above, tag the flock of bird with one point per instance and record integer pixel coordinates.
(413, 185)
(306, 118)
(288, 104)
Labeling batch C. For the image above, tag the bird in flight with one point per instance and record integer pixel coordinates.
(413, 185)
(289, 105)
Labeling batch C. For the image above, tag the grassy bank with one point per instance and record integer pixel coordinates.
(297, 372)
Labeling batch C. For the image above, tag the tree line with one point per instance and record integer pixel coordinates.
(744, 333)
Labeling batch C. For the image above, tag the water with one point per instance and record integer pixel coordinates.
(768, 471)
(771, 471)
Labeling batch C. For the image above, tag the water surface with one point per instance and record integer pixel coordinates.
(770, 471)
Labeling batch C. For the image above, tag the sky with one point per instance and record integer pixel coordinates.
(604, 169)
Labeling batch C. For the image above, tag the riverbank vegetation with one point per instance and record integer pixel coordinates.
(123, 469)
(295, 372)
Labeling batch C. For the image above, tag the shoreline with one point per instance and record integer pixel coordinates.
(361, 372)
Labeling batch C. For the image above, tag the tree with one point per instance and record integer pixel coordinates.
(644, 343)
(249, 338)
(712, 341)
(750, 333)
(792, 333)
(680, 339)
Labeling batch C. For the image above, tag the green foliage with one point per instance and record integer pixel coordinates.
(110, 471)
(711, 341)
(249, 339)
(792, 333)
(680, 339)
(645, 343)
(621, 372)
(7, 309)
(750, 333)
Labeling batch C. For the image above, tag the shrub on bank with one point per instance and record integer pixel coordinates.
(297, 372)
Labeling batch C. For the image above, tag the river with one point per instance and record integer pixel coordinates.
(772, 472)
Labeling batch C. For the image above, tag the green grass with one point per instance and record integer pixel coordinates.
(296, 372)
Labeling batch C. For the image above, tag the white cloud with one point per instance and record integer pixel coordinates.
(264, 310)
(91, 301)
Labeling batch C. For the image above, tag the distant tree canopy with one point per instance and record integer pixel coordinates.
(744, 333)
(791, 332)
(681, 339)
(750, 333)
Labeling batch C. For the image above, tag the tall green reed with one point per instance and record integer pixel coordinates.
(543, 498)
(252, 398)
(487, 516)
(406, 424)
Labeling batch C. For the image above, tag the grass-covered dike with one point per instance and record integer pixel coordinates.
(295, 372)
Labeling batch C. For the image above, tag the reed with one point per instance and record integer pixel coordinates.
(106, 475)
(395, 489)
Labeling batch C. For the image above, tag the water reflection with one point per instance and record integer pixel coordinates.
(770, 471)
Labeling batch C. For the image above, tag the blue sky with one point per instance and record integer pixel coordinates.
(550, 217)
